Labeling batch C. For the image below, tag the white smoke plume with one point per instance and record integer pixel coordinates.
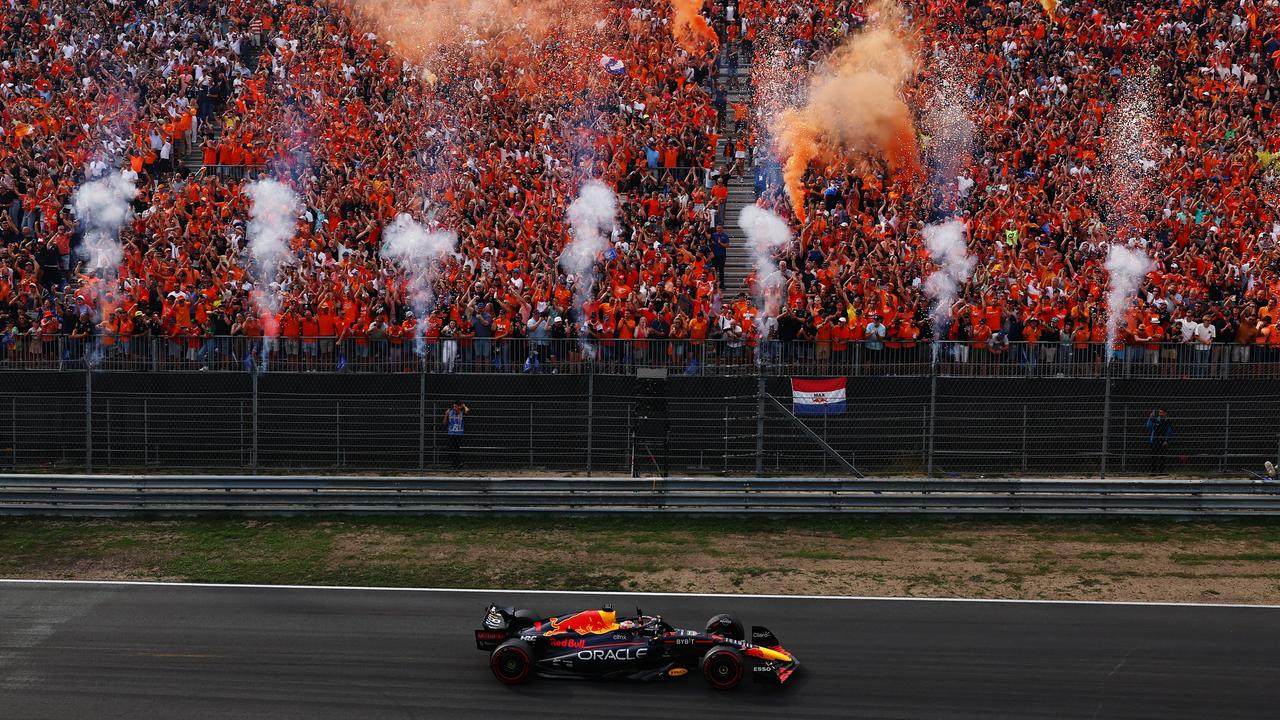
(766, 234)
(420, 253)
(947, 250)
(947, 119)
(1130, 148)
(103, 207)
(1126, 268)
(591, 218)
(273, 220)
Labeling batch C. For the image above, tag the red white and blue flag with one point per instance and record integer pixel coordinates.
(817, 397)
(613, 65)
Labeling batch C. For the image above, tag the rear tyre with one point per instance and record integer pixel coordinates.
(722, 667)
(726, 626)
(512, 662)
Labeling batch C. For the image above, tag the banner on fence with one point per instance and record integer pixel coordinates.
(817, 397)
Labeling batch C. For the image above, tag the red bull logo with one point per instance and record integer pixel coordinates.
(569, 643)
(587, 622)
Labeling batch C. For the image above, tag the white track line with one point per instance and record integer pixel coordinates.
(498, 591)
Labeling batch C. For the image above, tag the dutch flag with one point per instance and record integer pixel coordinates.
(817, 397)
(613, 65)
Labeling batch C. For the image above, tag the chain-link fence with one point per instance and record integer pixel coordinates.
(607, 424)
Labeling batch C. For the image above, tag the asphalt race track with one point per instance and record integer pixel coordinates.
(146, 651)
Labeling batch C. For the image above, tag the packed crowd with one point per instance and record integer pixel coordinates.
(1035, 192)
(491, 135)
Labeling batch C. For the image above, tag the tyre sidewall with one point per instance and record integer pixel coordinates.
(714, 665)
(508, 650)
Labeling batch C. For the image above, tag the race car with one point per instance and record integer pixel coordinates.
(598, 644)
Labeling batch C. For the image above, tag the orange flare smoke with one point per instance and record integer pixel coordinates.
(419, 28)
(690, 29)
(855, 108)
(799, 140)
(1050, 7)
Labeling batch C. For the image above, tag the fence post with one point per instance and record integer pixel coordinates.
(13, 428)
(422, 418)
(106, 413)
(924, 434)
(1106, 424)
(759, 422)
(1226, 438)
(933, 411)
(591, 407)
(824, 439)
(253, 422)
(1024, 437)
(1124, 438)
(726, 436)
(88, 420)
(530, 433)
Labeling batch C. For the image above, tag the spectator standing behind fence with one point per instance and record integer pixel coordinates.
(454, 424)
(1161, 429)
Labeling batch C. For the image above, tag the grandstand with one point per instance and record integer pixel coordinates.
(199, 98)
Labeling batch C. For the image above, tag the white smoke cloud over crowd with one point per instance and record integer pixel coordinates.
(947, 250)
(591, 221)
(1130, 136)
(273, 220)
(103, 207)
(420, 252)
(766, 234)
(1126, 268)
(1130, 148)
(947, 119)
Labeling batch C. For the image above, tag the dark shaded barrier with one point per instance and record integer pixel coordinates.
(280, 422)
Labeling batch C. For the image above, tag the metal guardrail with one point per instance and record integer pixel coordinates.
(71, 495)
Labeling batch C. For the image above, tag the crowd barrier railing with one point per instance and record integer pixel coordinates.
(615, 356)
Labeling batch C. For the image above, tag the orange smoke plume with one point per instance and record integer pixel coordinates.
(855, 109)
(1050, 7)
(690, 29)
(419, 28)
(800, 142)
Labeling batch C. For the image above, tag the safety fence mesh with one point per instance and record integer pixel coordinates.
(290, 422)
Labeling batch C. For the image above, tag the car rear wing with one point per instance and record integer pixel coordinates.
(497, 627)
(490, 639)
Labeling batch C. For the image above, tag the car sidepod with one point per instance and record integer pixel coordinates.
(610, 655)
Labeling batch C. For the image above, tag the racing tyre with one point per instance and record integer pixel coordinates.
(722, 667)
(512, 662)
(725, 625)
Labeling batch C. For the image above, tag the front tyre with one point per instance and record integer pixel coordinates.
(512, 662)
(722, 666)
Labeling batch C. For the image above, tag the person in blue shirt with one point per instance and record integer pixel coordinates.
(719, 252)
(454, 429)
(875, 334)
(1161, 429)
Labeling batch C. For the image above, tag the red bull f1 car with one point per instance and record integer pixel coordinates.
(598, 644)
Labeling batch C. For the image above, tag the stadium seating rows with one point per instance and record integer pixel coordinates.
(495, 139)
